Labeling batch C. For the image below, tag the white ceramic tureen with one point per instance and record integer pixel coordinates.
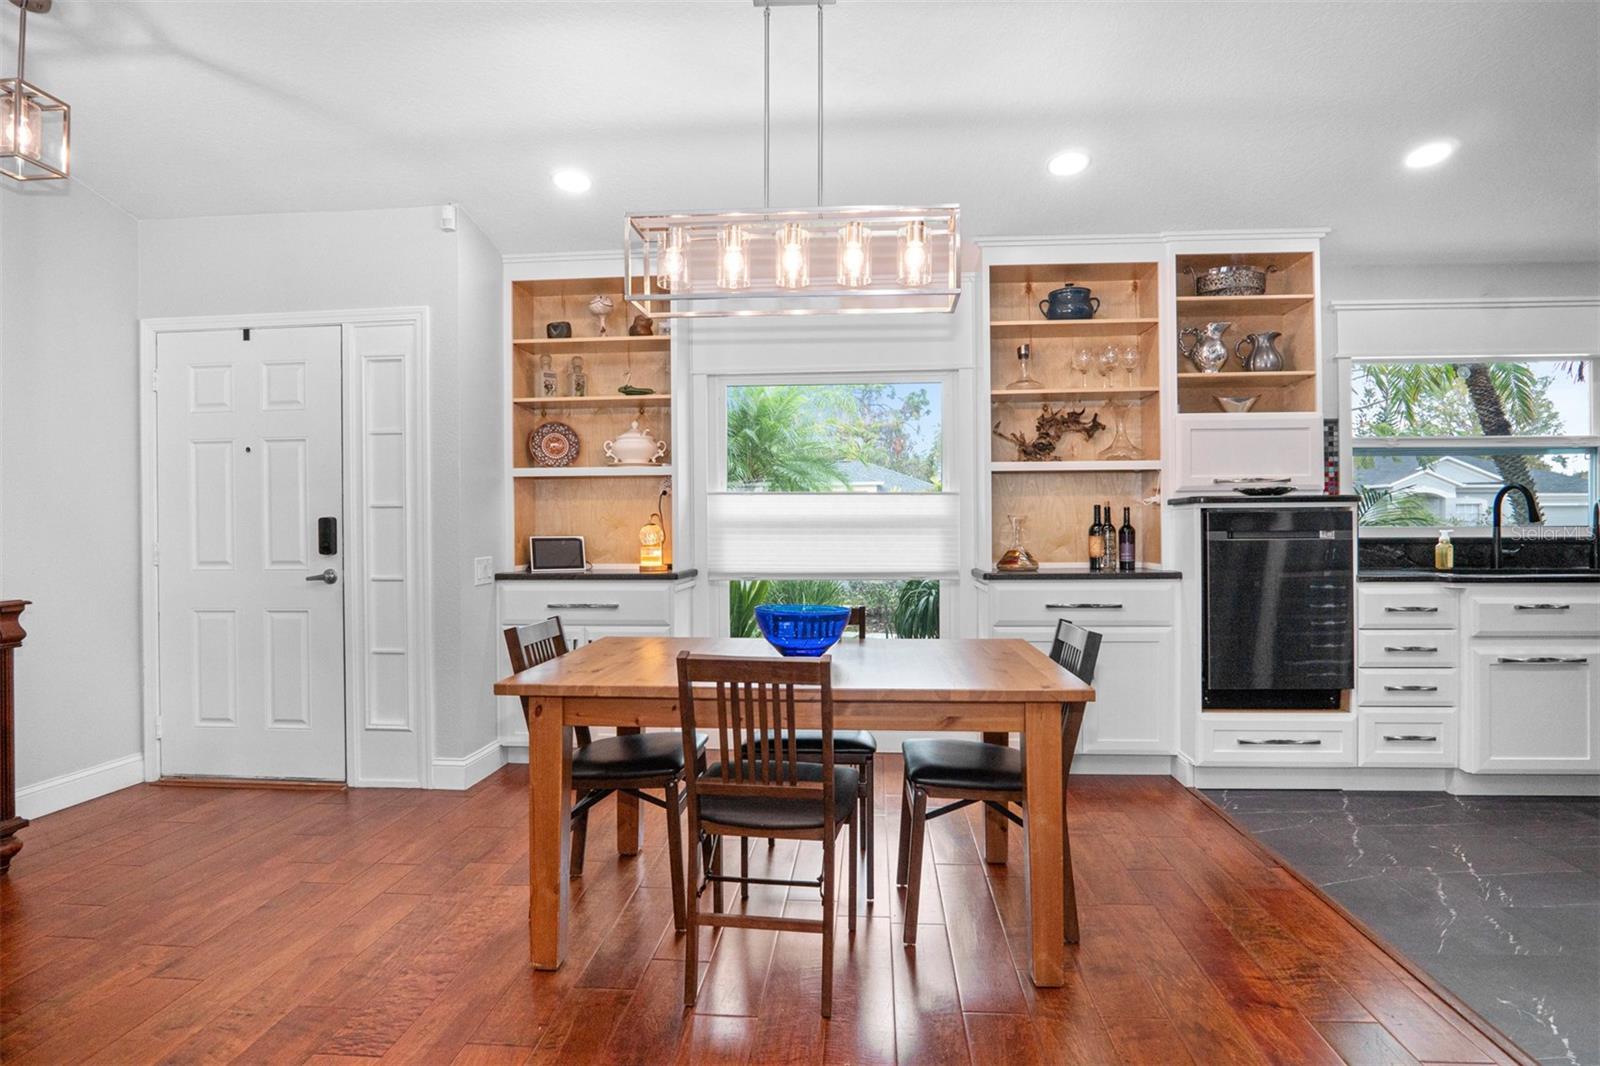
(637, 447)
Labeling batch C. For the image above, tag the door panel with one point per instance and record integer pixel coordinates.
(249, 454)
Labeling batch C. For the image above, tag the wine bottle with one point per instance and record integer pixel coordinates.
(1097, 543)
(1108, 533)
(1125, 545)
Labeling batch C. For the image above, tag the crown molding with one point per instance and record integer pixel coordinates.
(546, 258)
(1465, 303)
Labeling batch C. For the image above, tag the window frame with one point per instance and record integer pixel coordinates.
(1351, 446)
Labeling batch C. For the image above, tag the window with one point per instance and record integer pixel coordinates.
(906, 609)
(835, 478)
(1433, 441)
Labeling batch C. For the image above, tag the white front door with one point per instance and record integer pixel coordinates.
(249, 457)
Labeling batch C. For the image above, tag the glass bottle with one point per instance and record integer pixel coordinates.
(1016, 557)
(1025, 360)
(547, 376)
(1444, 552)
(1097, 544)
(1108, 539)
(576, 378)
(1126, 551)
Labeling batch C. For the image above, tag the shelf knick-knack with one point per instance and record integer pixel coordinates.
(547, 377)
(577, 380)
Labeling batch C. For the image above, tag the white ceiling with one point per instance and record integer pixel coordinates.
(1197, 115)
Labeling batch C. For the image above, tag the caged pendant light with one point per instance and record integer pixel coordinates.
(805, 261)
(35, 127)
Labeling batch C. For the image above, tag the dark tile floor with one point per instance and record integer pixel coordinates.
(1497, 898)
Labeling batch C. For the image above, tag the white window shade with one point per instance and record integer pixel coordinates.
(833, 534)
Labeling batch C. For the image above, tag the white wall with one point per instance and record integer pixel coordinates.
(69, 476)
(388, 258)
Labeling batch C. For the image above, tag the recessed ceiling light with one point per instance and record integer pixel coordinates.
(1430, 155)
(571, 180)
(1065, 164)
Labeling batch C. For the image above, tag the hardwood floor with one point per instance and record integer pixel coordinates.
(195, 925)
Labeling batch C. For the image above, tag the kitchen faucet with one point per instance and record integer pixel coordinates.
(1499, 498)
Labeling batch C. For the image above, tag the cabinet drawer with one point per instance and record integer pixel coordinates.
(1407, 688)
(1261, 740)
(1406, 607)
(1111, 602)
(1544, 611)
(586, 602)
(1402, 647)
(1408, 738)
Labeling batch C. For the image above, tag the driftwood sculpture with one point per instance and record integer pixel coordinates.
(1052, 425)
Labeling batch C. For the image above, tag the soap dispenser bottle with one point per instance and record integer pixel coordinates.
(1444, 552)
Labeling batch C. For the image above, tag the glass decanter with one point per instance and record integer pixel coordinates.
(1121, 446)
(1027, 380)
(1016, 557)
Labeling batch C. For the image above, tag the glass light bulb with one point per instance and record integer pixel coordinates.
(855, 254)
(793, 258)
(915, 262)
(672, 261)
(733, 264)
(20, 137)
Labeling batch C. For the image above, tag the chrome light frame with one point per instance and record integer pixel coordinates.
(55, 114)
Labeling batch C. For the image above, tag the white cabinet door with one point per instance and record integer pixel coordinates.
(1533, 707)
(1135, 703)
(1216, 451)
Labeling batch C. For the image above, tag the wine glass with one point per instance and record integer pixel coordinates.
(1131, 357)
(1080, 362)
(1109, 360)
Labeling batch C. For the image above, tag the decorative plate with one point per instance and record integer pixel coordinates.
(553, 444)
(1266, 490)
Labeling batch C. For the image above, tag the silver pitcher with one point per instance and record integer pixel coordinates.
(1208, 353)
(1263, 353)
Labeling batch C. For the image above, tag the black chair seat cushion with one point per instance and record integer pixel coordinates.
(962, 764)
(855, 743)
(752, 812)
(632, 755)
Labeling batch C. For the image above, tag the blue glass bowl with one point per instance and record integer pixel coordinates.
(801, 629)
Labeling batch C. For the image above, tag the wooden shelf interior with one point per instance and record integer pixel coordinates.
(1125, 290)
(1060, 506)
(1288, 307)
(1142, 418)
(606, 511)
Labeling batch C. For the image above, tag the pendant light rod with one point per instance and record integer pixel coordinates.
(22, 52)
(766, 95)
(819, 104)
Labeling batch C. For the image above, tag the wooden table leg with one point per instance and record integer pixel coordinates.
(630, 831)
(994, 823)
(1046, 828)
(1072, 726)
(549, 817)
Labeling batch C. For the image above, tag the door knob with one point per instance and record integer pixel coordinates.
(328, 576)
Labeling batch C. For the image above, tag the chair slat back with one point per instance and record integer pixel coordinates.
(858, 621)
(531, 645)
(756, 722)
(1077, 649)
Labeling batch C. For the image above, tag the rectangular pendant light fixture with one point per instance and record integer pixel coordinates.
(35, 127)
(806, 261)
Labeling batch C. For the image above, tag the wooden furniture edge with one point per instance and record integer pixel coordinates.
(11, 636)
(279, 783)
(1487, 1029)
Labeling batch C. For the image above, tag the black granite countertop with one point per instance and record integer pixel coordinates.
(1067, 571)
(1258, 501)
(1506, 576)
(599, 573)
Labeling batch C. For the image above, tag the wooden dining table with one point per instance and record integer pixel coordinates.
(993, 687)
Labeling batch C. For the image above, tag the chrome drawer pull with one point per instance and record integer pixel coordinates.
(1543, 607)
(1404, 738)
(1542, 660)
(1408, 648)
(1411, 688)
(1280, 742)
(1412, 610)
(583, 606)
(1252, 481)
(1083, 606)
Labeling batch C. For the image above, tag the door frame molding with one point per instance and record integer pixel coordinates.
(417, 528)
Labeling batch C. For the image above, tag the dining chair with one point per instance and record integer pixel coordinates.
(762, 788)
(626, 764)
(995, 775)
(851, 747)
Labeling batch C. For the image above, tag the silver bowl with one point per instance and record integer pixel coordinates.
(1237, 404)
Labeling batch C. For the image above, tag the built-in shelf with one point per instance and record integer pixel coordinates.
(1091, 392)
(1068, 466)
(1268, 304)
(1083, 327)
(1266, 379)
(622, 343)
(592, 471)
(654, 399)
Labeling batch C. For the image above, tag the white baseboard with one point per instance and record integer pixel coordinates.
(459, 773)
(1465, 784)
(80, 786)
